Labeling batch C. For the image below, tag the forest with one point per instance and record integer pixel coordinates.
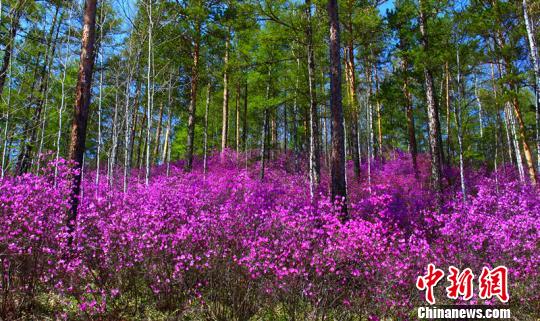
(265, 160)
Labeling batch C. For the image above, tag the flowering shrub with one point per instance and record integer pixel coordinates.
(226, 244)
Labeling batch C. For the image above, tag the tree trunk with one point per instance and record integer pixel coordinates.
(192, 103)
(155, 153)
(369, 129)
(141, 139)
(273, 130)
(294, 133)
(511, 120)
(115, 130)
(150, 92)
(82, 105)
(447, 101)
(225, 118)
(413, 149)
(64, 65)
(457, 112)
(524, 142)
(314, 145)
(167, 148)
(265, 127)
(517, 113)
(351, 76)
(504, 123)
(379, 117)
(127, 131)
(509, 141)
(205, 146)
(285, 129)
(135, 112)
(100, 98)
(237, 122)
(245, 126)
(372, 152)
(351, 79)
(166, 143)
(480, 111)
(263, 143)
(433, 115)
(338, 187)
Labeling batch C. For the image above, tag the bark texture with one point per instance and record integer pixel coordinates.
(337, 173)
(433, 113)
(82, 106)
(314, 144)
(193, 103)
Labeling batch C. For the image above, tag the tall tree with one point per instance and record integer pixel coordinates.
(314, 145)
(508, 69)
(82, 106)
(337, 174)
(225, 111)
(351, 85)
(432, 107)
(193, 97)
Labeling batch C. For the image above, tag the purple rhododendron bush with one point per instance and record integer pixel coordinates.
(227, 246)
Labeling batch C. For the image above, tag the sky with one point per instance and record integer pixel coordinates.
(389, 4)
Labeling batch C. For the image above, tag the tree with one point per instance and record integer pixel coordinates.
(225, 119)
(193, 98)
(433, 109)
(338, 185)
(535, 58)
(39, 99)
(314, 145)
(508, 68)
(82, 106)
(15, 16)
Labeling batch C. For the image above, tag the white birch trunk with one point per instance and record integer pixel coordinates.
(457, 114)
(225, 117)
(100, 53)
(480, 111)
(347, 152)
(112, 160)
(495, 162)
(205, 147)
(369, 139)
(62, 98)
(127, 132)
(149, 93)
(515, 140)
(166, 143)
(167, 147)
(43, 123)
(509, 141)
